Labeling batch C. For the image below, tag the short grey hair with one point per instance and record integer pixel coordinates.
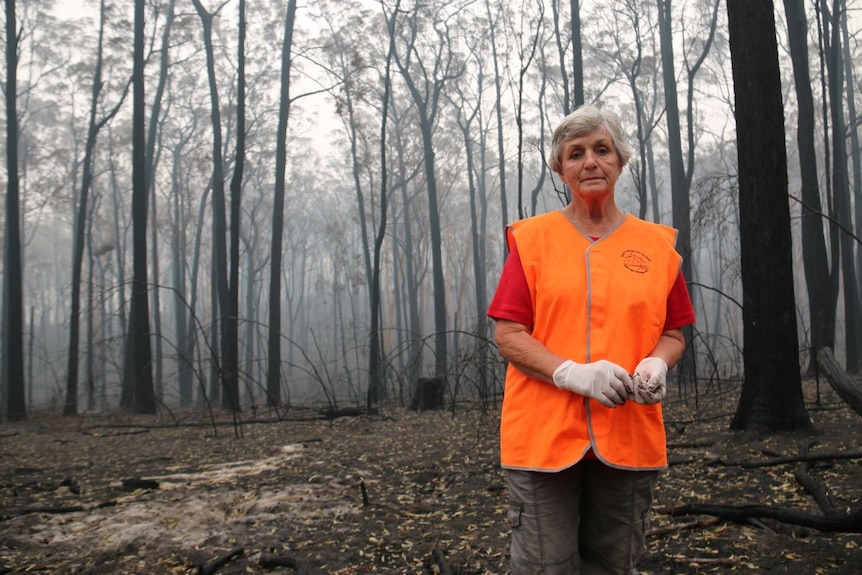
(584, 120)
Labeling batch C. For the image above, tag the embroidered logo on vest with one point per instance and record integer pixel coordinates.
(636, 261)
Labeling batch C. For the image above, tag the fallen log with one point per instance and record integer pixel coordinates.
(850, 523)
(803, 457)
(844, 385)
(134, 483)
(816, 488)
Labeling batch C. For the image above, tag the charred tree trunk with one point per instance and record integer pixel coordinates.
(771, 397)
(273, 375)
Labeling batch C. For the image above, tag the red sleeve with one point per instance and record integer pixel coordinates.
(679, 309)
(512, 299)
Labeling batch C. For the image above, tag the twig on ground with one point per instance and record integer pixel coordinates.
(440, 559)
(217, 563)
(800, 458)
(705, 560)
(703, 522)
(269, 560)
(850, 523)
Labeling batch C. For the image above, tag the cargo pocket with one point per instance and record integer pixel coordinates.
(513, 516)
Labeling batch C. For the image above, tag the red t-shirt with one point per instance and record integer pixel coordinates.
(512, 299)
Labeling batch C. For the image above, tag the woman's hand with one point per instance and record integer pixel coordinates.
(650, 380)
(603, 380)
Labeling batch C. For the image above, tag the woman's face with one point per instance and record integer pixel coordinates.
(590, 165)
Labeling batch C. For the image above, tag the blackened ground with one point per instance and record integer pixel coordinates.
(397, 492)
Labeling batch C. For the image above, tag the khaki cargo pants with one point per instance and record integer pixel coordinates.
(590, 519)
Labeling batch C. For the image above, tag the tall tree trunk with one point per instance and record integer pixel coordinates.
(82, 213)
(841, 191)
(679, 184)
(855, 154)
(822, 14)
(230, 322)
(127, 384)
(89, 367)
(376, 383)
(215, 381)
(273, 375)
(541, 103)
(194, 349)
(70, 407)
(815, 258)
(477, 239)
(410, 284)
(13, 297)
(501, 128)
(426, 104)
(577, 55)
(561, 52)
(152, 138)
(138, 365)
(252, 305)
(771, 397)
(120, 240)
(227, 372)
(183, 312)
(525, 62)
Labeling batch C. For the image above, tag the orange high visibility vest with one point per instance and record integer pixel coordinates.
(592, 300)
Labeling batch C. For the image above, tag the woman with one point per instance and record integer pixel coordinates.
(588, 296)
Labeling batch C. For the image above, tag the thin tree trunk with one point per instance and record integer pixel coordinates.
(498, 107)
(215, 381)
(91, 345)
(679, 183)
(70, 407)
(226, 373)
(152, 139)
(427, 106)
(855, 154)
(13, 296)
(564, 65)
(230, 322)
(540, 182)
(376, 384)
(841, 193)
(82, 218)
(815, 260)
(821, 10)
(577, 55)
(410, 284)
(182, 312)
(519, 115)
(273, 376)
(138, 365)
(194, 348)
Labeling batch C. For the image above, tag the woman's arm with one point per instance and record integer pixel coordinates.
(525, 352)
(670, 347)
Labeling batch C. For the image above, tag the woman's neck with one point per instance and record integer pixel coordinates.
(593, 219)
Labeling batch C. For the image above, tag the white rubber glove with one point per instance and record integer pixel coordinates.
(650, 380)
(604, 381)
